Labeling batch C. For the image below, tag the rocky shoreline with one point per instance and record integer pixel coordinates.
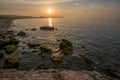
(60, 58)
(52, 74)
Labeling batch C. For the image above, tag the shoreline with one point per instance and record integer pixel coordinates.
(53, 74)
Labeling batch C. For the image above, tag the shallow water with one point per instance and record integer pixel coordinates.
(101, 38)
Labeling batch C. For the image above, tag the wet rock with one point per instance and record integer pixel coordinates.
(47, 28)
(44, 48)
(4, 42)
(33, 29)
(56, 57)
(21, 33)
(14, 40)
(111, 71)
(11, 63)
(32, 44)
(86, 59)
(10, 48)
(1, 54)
(66, 46)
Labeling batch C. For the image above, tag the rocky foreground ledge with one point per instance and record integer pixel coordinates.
(12, 74)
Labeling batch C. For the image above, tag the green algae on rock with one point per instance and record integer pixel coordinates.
(11, 63)
(45, 48)
(4, 42)
(10, 48)
(14, 40)
(66, 46)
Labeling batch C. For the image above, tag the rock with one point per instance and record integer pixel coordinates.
(4, 42)
(111, 71)
(1, 54)
(10, 48)
(44, 48)
(66, 46)
(21, 33)
(32, 44)
(47, 28)
(14, 40)
(86, 59)
(11, 63)
(33, 29)
(56, 57)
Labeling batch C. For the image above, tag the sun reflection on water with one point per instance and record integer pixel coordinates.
(50, 22)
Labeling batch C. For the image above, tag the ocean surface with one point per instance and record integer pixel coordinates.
(99, 37)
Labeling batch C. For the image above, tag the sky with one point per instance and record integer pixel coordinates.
(65, 8)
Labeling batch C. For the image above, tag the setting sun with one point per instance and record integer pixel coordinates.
(49, 11)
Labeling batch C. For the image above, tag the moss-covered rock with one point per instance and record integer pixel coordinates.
(14, 40)
(44, 48)
(86, 59)
(32, 44)
(11, 63)
(66, 46)
(1, 53)
(21, 33)
(56, 57)
(10, 48)
(4, 42)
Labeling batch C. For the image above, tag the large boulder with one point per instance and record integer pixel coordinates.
(56, 57)
(10, 48)
(66, 46)
(45, 49)
(11, 63)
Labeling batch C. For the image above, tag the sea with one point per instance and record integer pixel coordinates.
(99, 39)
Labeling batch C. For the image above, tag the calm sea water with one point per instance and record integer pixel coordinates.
(101, 38)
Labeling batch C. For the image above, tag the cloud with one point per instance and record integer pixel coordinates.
(36, 1)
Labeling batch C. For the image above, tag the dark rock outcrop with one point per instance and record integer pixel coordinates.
(66, 46)
(21, 33)
(45, 49)
(11, 63)
(48, 28)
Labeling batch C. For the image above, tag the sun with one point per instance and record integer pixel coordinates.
(49, 11)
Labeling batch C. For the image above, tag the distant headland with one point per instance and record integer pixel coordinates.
(11, 17)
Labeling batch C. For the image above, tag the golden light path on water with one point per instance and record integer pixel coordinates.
(50, 22)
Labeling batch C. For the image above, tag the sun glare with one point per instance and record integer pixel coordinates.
(49, 11)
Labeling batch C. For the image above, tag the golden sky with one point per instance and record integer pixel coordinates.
(65, 8)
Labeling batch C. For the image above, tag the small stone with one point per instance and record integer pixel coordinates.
(56, 57)
(21, 33)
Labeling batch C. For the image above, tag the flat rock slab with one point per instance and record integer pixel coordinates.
(49, 75)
